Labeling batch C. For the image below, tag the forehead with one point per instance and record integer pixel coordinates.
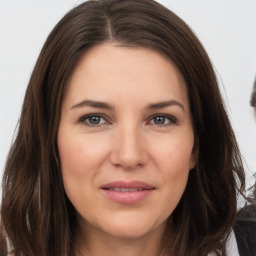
(119, 71)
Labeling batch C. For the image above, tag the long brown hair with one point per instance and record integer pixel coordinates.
(38, 218)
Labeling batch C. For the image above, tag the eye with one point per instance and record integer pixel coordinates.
(162, 120)
(93, 120)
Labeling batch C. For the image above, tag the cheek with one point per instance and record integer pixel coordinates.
(80, 154)
(175, 179)
(173, 162)
(81, 160)
(178, 163)
(173, 154)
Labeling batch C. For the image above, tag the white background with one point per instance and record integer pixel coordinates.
(227, 28)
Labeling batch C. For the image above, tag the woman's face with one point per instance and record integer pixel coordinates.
(125, 141)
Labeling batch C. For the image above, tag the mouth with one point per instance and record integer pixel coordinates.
(122, 192)
(124, 186)
(125, 189)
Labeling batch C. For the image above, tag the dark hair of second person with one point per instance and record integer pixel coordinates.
(245, 225)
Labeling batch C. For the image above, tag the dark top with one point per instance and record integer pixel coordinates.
(245, 230)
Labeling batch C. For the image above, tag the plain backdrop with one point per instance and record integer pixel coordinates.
(227, 29)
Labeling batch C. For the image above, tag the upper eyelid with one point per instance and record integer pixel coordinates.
(84, 117)
(164, 115)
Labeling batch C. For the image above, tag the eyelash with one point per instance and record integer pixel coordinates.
(84, 118)
(171, 120)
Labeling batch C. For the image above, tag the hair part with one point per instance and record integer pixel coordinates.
(37, 216)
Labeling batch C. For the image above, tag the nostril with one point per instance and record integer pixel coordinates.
(129, 151)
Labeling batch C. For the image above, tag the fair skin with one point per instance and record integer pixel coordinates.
(125, 122)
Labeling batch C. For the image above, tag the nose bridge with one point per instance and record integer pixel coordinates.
(129, 147)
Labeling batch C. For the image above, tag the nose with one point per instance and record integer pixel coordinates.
(129, 149)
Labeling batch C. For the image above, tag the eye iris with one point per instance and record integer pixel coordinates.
(94, 120)
(159, 120)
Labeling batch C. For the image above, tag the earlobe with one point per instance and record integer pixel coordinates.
(193, 158)
(192, 161)
(194, 154)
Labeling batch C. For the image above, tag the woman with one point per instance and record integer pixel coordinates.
(245, 225)
(124, 146)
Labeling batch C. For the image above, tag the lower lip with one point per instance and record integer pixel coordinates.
(128, 197)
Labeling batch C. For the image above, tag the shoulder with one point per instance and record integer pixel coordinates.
(232, 246)
(245, 230)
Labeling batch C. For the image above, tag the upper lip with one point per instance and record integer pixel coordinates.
(127, 184)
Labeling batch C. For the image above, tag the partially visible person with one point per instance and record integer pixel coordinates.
(245, 226)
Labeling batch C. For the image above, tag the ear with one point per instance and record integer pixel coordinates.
(193, 158)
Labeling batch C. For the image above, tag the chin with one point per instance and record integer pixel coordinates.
(131, 227)
(128, 231)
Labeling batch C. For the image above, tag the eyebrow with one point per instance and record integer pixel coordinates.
(165, 104)
(104, 105)
(94, 104)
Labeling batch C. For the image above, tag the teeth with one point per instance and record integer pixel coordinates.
(126, 189)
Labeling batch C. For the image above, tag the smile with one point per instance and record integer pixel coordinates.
(122, 192)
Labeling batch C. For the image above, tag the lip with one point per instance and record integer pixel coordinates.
(131, 192)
